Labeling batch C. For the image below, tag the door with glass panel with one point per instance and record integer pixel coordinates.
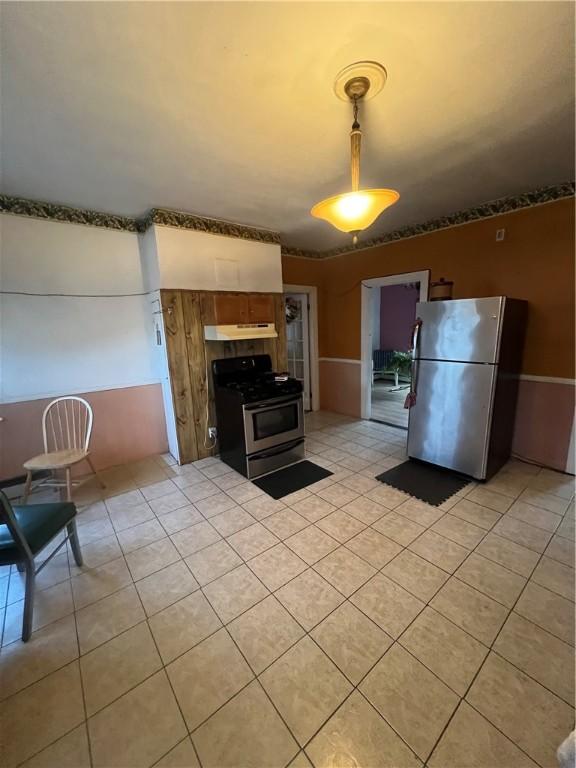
(298, 341)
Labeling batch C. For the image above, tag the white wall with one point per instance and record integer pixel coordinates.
(191, 260)
(92, 337)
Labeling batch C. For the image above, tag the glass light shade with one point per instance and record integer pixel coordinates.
(355, 211)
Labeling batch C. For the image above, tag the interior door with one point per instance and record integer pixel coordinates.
(298, 341)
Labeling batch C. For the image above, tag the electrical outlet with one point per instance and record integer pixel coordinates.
(212, 432)
(500, 235)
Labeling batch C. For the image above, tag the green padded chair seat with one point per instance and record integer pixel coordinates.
(39, 523)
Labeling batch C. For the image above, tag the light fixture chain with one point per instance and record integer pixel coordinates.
(355, 142)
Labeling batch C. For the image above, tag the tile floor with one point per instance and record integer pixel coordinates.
(346, 625)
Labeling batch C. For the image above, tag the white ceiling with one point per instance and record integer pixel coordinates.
(227, 109)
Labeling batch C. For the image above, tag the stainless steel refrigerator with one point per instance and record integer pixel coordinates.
(467, 355)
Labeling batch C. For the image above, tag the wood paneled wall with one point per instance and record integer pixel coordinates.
(190, 363)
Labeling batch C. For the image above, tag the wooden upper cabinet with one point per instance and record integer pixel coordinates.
(261, 308)
(234, 308)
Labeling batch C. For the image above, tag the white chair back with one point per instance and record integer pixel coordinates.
(67, 424)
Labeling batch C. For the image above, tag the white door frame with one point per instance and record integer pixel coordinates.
(312, 292)
(368, 286)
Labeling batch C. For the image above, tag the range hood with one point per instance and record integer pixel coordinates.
(240, 332)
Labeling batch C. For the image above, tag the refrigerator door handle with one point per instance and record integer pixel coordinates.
(411, 396)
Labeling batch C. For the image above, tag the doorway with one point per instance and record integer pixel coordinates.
(300, 303)
(388, 313)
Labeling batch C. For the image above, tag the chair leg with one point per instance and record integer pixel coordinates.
(68, 483)
(28, 601)
(27, 487)
(75, 543)
(101, 482)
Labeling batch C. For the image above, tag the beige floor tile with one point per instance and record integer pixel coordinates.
(285, 523)
(487, 498)
(151, 558)
(522, 533)
(217, 469)
(198, 491)
(419, 512)
(452, 654)
(137, 729)
(388, 604)
(294, 498)
(373, 547)
(399, 528)
(49, 605)
(471, 610)
(439, 551)
(264, 632)
(100, 582)
(555, 576)
(234, 593)
(207, 676)
(474, 513)
(513, 556)
(50, 648)
(183, 625)
(195, 538)
(413, 700)
(96, 554)
(531, 716)
(263, 506)
(507, 484)
(387, 496)
(567, 527)
(180, 518)
(305, 707)
(338, 494)
(470, 741)
(415, 574)
(313, 508)
(351, 640)
(364, 509)
(277, 566)
(492, 579)
(170, 502)
(539, 518)
(212, 562)
(309, 598)
(247, 726)
(105, 619)
(182, 755)
(128, 517)
(553, 613)
(562, 550)
(165, 587)
(360, 484)
(54, 573)
(23, 715)
(311, 544)
(123, 500)
(231, 521)
(340, 525)
(546, 501)
(542, 656)
(252, 541)
(117, 666)
(158, 490)
(344, 570)
(460, 531)
(90, 533)
(301, 761)
(69, 751)
(215, 505)
(140, 535)
(357, 735)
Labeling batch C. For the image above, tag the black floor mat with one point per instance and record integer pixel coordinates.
(428, 483)
(290, 479)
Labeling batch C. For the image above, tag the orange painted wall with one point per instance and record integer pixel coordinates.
(535, 262)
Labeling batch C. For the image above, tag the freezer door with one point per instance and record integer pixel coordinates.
(449, 424)
(467, 330)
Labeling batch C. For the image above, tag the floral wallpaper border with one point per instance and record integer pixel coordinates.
(182, 220)
(483, 211)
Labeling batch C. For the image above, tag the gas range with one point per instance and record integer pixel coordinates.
(260, 415)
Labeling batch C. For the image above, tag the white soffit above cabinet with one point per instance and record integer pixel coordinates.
(199, 261)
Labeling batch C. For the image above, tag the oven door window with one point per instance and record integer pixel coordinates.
(275, 421)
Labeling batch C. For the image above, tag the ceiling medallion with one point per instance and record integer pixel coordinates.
(355, 211)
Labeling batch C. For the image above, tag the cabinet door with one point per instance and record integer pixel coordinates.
(231, 308)
(261, 308)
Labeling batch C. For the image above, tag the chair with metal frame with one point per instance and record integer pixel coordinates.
(27, 530)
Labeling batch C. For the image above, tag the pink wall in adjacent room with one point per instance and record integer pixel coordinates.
(129, 425)
(397, 313)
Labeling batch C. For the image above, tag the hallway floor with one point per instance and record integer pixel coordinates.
(388, 403)
(348, 624)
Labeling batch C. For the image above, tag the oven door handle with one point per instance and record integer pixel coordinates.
(272, 404)
(275, 451)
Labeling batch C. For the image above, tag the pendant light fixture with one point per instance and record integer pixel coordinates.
(356, 210)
